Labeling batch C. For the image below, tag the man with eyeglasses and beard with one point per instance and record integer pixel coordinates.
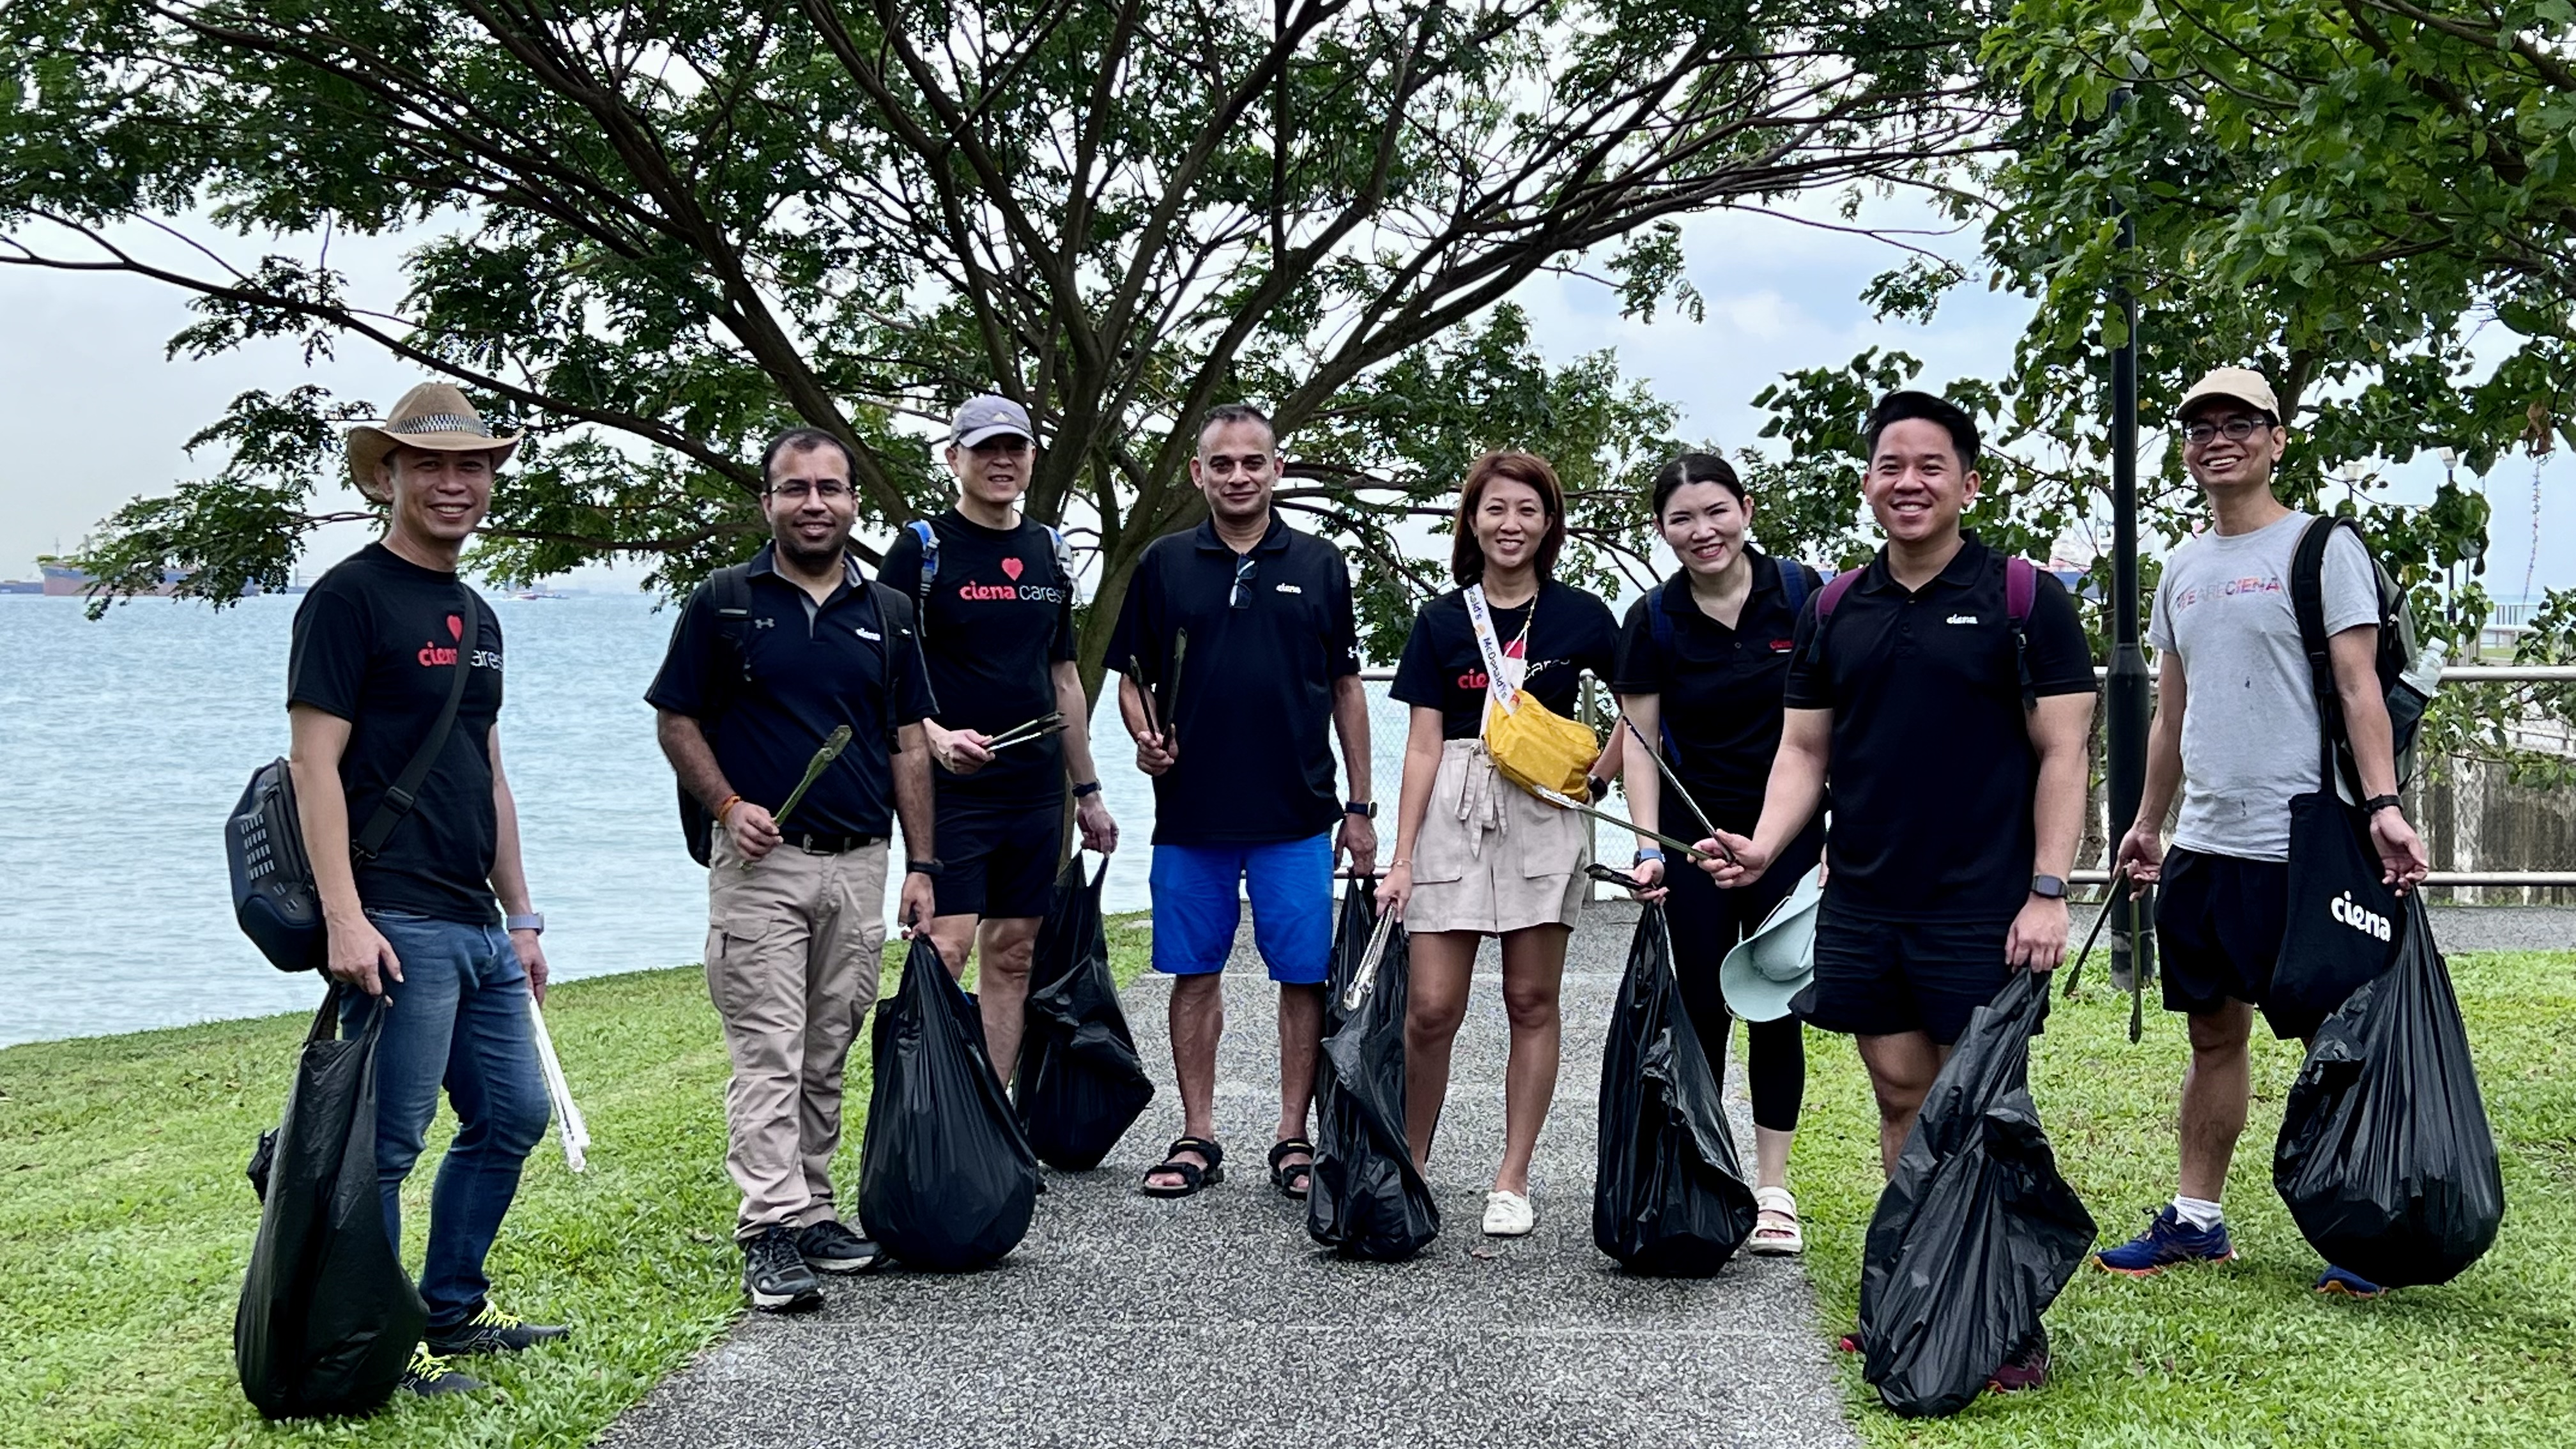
(1233, 728)
(768, 659)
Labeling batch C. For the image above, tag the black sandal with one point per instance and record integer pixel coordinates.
(1296, 1177)
(1192, 1176)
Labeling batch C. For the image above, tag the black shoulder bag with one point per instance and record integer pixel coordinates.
(2341, 929)
(274, 898)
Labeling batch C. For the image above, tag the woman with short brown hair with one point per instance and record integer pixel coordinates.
(1475, 855)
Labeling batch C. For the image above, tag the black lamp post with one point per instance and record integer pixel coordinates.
(2126, 697)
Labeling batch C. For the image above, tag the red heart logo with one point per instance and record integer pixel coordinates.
(1011, 566)
(455, 628)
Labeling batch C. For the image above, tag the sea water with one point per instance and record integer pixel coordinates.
(125, 743)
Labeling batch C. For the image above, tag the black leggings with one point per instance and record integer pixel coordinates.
(1707, 922)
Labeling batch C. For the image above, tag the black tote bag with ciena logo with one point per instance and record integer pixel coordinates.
(2341, 927)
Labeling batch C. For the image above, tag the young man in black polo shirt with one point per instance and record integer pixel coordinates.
(420, 921)
(1953, 738)
(796, 910)
(996, 604)
(1234, 735)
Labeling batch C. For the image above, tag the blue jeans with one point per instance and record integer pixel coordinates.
(459, 1017)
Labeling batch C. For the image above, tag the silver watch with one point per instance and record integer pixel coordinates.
(532, 921)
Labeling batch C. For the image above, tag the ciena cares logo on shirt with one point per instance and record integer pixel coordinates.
(434, 655)
(2226, 589)
(1012, 592)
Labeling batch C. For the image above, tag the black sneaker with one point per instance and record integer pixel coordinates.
(774, 1273)
(830, 1247)
(429, 1376)
(493, 1331)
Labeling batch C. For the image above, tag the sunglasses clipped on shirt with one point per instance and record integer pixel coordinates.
(2235, 430)
(1243, 571)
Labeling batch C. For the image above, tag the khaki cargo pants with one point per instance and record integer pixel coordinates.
(793, 950)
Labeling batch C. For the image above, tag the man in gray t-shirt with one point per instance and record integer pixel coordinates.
(2236, 733)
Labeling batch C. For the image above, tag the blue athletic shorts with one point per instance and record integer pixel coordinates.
(1196, 907)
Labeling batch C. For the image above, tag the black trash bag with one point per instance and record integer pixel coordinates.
(328, 1318)
(1668, 1193)
(1976, 1232)
(1081, 1084)
(946, 1179)
(2385, 1158)
(1363, 1197)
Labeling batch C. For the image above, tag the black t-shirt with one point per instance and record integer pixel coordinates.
(811, 668)
(375, 642)
(1254, 704)
(1931, 767)
(1717, 689)
(999, 620)
(1443, 669)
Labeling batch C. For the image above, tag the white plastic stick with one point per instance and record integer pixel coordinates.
(568, 1124)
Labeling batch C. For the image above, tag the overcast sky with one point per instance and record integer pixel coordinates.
(96, 414)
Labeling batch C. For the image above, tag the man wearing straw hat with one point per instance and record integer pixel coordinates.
(771, 659)
(433, 915)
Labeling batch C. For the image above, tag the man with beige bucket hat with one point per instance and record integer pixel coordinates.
(426, 904)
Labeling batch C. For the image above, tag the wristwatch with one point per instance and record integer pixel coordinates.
(1364, 809)
(2377, 803)
(1087, 787)
(2048, 887)
(930, 868)
(1649, 853)
(532, 921)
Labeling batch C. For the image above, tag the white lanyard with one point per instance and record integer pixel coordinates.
(1503, 687)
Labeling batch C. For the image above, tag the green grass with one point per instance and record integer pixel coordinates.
(126, 1224)
(2244, 1353)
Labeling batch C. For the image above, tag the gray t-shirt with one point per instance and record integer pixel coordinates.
(2249, 727)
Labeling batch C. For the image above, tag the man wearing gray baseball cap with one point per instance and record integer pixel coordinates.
(2236, 732)
(994, 593)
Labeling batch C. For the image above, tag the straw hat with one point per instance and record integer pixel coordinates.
(433, 415)
(1766, 971)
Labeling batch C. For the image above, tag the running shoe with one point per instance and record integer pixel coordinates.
(2347, 1283)
(429, 1376)
(2027, 1369)
(775, 1275)
(830, 1247)
(492, 1330)
(2168, 1242)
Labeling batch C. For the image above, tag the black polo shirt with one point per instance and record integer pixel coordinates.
(810, 668)
(1443, 667)
(1253, 705)
(1932, 769)
(1717, 689)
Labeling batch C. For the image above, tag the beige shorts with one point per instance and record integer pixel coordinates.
(1491, 857)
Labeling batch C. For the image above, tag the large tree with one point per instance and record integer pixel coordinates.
(652, 232)
(2371, 201)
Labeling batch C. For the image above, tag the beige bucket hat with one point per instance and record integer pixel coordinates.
(434, 415)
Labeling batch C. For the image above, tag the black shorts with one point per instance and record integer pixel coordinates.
(999, 858)
(2218, 928)
(1880, 978)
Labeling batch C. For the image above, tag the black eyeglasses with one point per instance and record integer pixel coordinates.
(2236, 429)
(1243, 569)
(796, 492)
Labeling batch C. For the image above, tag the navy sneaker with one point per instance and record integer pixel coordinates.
(2168, 1242)
(2347, 1283)
(429, 1376)
(491, 1330)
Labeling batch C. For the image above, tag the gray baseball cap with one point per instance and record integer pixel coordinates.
(989, 416)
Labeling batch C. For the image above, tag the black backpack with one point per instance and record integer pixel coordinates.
(274, 899)
(730, 588)
(2407, 676)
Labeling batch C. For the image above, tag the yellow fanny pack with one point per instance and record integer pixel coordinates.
(1533, 746)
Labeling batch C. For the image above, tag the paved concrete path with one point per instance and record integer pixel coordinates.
(1214, 1320)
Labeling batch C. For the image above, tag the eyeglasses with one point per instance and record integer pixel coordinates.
(1243, 570)
(2236, 429)
(798, 492)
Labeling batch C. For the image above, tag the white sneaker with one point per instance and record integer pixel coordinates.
(1508, 1215)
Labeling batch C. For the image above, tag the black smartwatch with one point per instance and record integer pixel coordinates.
(2048, 887)
(2377, 803)
(1364, 809)
(1087, 787)
(930, 868)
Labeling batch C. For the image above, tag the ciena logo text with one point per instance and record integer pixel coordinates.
(2368, 922)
